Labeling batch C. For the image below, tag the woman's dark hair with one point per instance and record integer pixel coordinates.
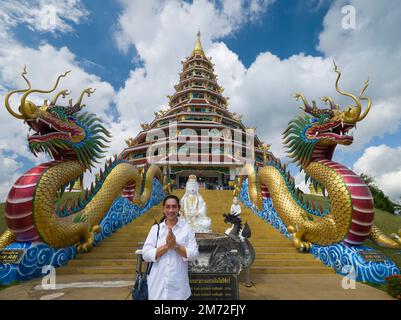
(170, 196)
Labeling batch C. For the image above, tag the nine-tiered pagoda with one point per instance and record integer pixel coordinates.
(197, 134)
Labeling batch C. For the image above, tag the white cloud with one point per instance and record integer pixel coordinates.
(9, 167)
(372, 50)
(382, 163)
(42, 15)
(44, 64)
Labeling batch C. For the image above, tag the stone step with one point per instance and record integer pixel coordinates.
(107, 250)
(291, 270)
(109, 255)
(96, 270)
(257, 245)
(104, 262)
(285, 262)
(130, 270)
(134, 246)
(293, 254)
(131, 239)
(106, 255)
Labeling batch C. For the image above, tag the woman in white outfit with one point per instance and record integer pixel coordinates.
(235, 211)
(236, 208)
(170, 253)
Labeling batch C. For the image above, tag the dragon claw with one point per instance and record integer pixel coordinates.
(396, 237)
(89, 239)
(300, 245)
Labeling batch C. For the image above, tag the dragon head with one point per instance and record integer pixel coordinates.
(314, 135)
(61, 131)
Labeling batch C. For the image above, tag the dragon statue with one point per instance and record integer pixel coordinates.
(310, 140)
(75, 141)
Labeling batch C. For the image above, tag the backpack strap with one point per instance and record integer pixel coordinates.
(149, 267)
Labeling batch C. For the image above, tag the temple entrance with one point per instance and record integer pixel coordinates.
(209, 180)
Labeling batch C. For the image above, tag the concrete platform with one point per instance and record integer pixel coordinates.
(266, 287)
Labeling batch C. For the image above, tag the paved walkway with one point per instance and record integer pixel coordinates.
(266, 287)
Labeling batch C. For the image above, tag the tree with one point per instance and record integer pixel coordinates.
(380, 199)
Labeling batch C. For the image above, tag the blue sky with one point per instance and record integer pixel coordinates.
(279, 31)
(263, 50)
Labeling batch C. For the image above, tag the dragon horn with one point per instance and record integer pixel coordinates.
(327, 99)
(357, 101)
(63, 93)
(7, 103)
(25, 109)
(312, 110)
(78, 106)
(365, 98)
(306, 107)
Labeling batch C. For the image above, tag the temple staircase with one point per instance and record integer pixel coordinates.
(274, 252)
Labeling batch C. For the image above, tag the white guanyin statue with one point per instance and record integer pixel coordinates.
(193, 207)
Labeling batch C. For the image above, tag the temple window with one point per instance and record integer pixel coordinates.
(139, 155)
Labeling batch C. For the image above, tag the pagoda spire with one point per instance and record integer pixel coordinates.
(198, 46)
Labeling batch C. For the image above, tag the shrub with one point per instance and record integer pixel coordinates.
(394, 286)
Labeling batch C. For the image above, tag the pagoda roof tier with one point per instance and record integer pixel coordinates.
(199, 159)
(190, 102)
(184, 75)
(211, 81)
(197, 67)
(168, 116)
(188, 124)
(200, 139)
(177, 111)
(201, 102)
(197, 58)
(196, 89)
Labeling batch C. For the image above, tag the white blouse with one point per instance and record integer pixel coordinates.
(168, 279)
(235, 209)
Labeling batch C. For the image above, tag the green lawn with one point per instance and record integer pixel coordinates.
(3, 225)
